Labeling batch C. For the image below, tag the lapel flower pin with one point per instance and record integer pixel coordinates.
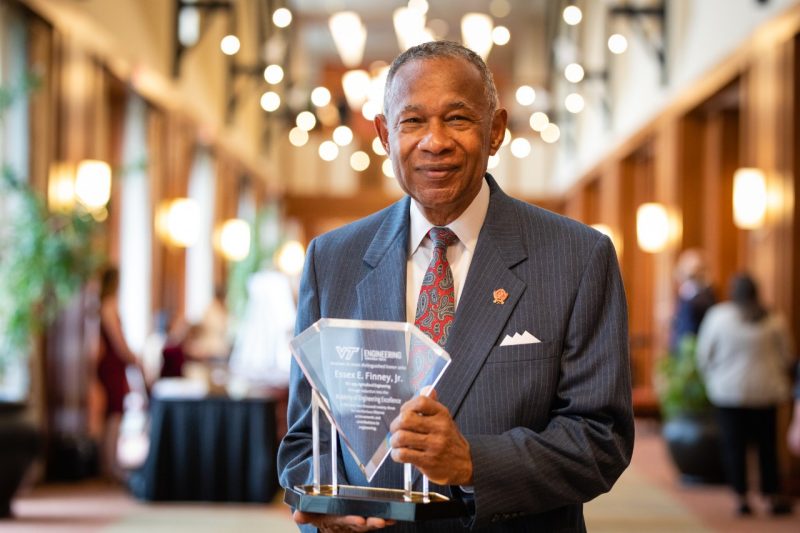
(500, 296)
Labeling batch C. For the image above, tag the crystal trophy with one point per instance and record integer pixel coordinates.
(360, 373)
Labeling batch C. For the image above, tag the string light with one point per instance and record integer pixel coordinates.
(320, 96)
(574, 73)
(282, 17)
(229, 45)
(270, 101)
(572, 15)
(273, 74)
(359, 161)
(617, 43)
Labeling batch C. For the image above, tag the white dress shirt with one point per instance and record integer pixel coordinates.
(420, 247)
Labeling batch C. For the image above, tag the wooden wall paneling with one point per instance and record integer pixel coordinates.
(110, 151)
(767, 143)
(692, 188)
(794, 185)
(610, 208)
(42, 106)
(793, 469)
(636, 172)
(81, 123)
(156, 134)
(574, 203)
(178, 156)
(227, 189)
(722, 238)
(170, 147)
(591, 201)
(667, 186)
(42, 112)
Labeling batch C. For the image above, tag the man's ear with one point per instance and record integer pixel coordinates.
(499, 122)
(382, 129)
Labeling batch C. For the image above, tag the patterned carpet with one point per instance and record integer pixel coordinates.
(647, 498)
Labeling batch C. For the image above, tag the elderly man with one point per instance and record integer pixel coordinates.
(533, 417)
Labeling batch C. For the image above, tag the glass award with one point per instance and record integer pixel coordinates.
(360, 373)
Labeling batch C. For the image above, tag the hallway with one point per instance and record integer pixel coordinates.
(646, 499)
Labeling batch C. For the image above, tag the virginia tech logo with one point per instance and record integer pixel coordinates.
(346, 352)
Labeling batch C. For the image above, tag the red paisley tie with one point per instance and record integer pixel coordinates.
(437, 301)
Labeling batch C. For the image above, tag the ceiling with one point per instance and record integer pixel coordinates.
(524, 19)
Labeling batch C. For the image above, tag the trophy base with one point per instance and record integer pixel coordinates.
(366, 501)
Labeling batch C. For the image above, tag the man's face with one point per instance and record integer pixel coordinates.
(439, 135)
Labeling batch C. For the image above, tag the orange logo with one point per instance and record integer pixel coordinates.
(500, 296)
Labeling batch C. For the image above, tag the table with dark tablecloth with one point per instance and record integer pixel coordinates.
(211, 449)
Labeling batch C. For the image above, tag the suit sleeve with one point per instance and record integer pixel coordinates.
(589, 439)
(294, 454)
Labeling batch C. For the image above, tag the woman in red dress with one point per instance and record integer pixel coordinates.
(114, 357)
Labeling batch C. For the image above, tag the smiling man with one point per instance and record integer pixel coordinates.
(533, 417)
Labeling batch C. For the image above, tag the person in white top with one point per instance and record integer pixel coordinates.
(744, 354)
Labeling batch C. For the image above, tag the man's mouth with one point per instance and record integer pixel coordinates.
(436, 171)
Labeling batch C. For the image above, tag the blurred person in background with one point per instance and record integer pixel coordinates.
(695, 296)
(744, 353)
(793, 435)
(114, 356)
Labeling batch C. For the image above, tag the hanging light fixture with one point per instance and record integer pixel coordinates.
(409, 26)
(349, 35)
(476, 33)
(356, 88)
(749, 198)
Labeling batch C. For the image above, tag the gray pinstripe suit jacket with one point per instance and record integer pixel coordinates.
(550, 425)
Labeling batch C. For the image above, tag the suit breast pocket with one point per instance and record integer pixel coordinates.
(522, 352)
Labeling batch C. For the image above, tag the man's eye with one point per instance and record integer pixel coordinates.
(457, 118)
(410, 120)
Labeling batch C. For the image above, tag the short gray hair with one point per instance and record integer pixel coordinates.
(437, 50)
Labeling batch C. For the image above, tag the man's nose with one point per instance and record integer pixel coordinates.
(436, 139)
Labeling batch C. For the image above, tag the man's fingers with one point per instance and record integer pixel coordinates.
(423, 405)
(341, 523)
(430, 392)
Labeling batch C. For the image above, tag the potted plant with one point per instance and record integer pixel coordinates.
(689, 428)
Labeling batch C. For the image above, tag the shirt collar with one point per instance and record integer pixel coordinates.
(466, 227)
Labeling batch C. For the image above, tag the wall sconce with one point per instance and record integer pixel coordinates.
(290, 258)
(178, 222)
(93, 184)
(652, 227)
(232, 239)
(88, 184)
(749, 198)
(61, 188)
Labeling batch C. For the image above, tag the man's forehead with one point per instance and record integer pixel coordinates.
(420, 70)
(435, 62)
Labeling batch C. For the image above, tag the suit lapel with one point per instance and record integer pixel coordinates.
(479, 321)
(382, 292)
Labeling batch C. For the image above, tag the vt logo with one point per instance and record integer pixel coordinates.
(346, 352)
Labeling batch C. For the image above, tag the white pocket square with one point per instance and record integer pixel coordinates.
(524, 338)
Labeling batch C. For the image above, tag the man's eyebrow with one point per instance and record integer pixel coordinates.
(458, 104)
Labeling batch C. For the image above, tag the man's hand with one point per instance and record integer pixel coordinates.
(335, 524)
(425, 435)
